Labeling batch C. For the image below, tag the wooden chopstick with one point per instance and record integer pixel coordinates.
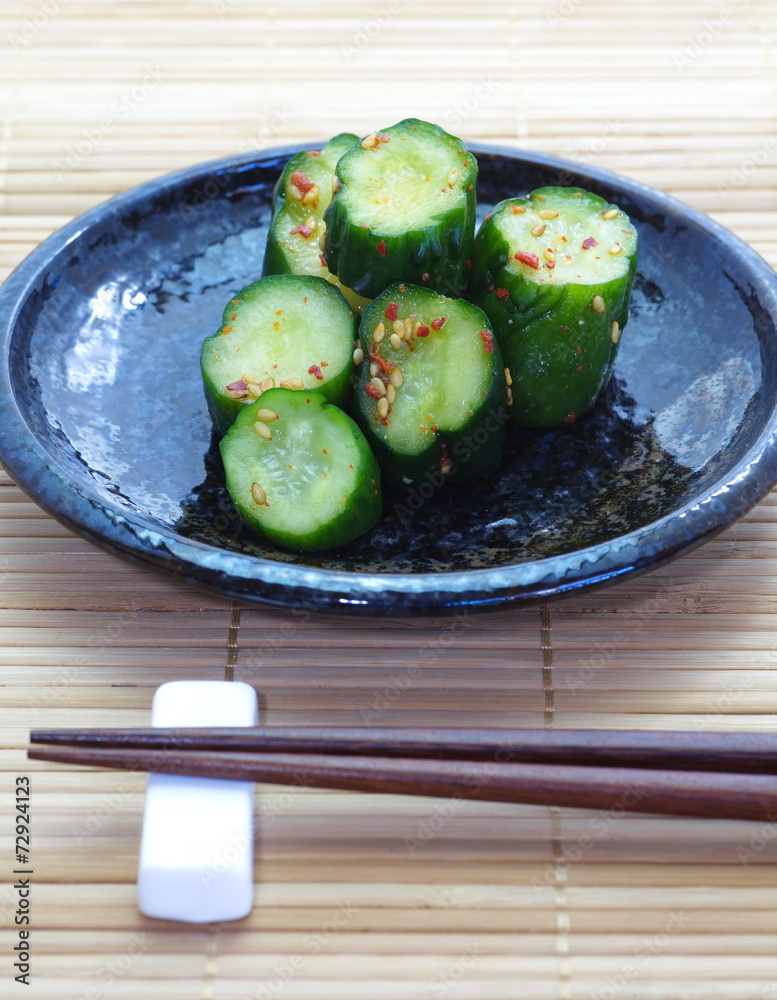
(751, 753)
(688, 793)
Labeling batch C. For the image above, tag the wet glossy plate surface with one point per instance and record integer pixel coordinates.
(103, 420)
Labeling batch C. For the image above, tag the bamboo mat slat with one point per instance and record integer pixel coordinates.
(372, 896)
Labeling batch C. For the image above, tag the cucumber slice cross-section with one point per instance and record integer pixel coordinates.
(300, 471)
(403, 210)
(431, 395)
(287, 330)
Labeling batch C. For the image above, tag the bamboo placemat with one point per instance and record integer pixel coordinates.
(380, 896)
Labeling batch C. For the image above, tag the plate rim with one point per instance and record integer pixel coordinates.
(258, 579)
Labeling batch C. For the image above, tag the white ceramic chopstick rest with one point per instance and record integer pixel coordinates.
(196, 849)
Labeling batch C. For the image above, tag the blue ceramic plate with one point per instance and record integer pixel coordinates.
(103, 421)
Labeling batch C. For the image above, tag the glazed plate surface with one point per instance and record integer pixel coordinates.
(103, 419)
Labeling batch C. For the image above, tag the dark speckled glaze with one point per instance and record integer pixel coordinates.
(103, 419)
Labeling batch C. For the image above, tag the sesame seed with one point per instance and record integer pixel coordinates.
(254, 390)
(538, 230)
(396, 377)
(250, 379)
(374, 368)
(548, 255)
(269, 383)
(615, 250)
(311, 197)
(370, 141)
(391, 393)
(615, 331)
(312, 223)
(263, 430)
(322, 241)
(267, 415)
(547, 213)
(398, 326)
(294, 192)
(445, 468)
(452, 175)
(358, 356)
(509, 397)
(257, 494)
(335, 183)
(379, 332)
(383, 407)
(237, 393)
(597, 304)
(408, 328)
(611, 213)
(293, 383)
(508, 377)
(378, 386)
(396, 341)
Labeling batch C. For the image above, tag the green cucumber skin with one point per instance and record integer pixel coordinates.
(224, 410)
(475, 450)
(435, 256)
(364, 504)
(277, 259)
(549, 388)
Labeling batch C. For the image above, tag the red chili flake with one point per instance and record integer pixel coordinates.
(391, 311)
(364, 225)
(302, 181)
(384, 138)
(590, 242)
(529, 259)
(564, 329)
(425, 276)
(502, 293)
(422, 331)
(570, 418)
(381, 248)
(314, 152)
(468, 263)
(436, 324)
(322, 258)
(324, 451)
(488, 341)
(385, 365)
(372, 391)
(490, 288)
(384, 421)
(324, 364)
(315, 370)
(240, 384)
(487, 217)
(302, 230)
(550, 265)
(580, 368)
(226, 329)
(434, 428)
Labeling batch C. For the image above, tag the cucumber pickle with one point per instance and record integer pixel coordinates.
(300, 472)
(297, 227)
(287, 330)
(553, 273)
(431, 395)
(403, 210)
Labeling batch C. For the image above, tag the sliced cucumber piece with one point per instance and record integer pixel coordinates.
(300, 471)
(553, 272)
(285, 330)
(300, 198)
(404, 210)
(431, 395)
